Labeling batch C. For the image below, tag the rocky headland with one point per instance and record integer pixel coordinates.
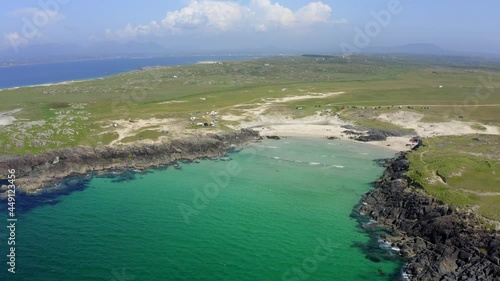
(34, 172)
(440, 242)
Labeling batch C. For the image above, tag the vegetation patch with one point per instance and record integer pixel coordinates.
(143, 135)
(460, 170)
(66, 115)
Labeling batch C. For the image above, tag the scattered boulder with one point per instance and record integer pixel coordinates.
(379, 135)
(440, 242)
(351, 132)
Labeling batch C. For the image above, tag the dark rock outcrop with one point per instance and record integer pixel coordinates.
(351, 132)
(379, 135)
(441, 242)
(36, 171)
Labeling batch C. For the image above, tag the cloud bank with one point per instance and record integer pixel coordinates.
(33, 21)
(215, 17)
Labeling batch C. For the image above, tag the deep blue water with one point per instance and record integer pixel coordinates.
(35, 74)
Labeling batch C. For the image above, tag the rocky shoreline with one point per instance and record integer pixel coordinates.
(440, 242)
(34, 172)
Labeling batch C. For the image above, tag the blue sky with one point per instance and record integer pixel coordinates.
(300, 24)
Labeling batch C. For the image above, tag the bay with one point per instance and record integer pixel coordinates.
(278, 210)
(45, 73)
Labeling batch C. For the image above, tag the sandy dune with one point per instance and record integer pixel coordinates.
(322, 124)
(125, 128)
(331, 126)
(411, 120)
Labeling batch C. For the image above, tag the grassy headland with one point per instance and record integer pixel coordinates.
(390, 93)
(103, 111)
(461, 170)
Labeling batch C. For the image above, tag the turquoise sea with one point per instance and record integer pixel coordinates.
(276, 210)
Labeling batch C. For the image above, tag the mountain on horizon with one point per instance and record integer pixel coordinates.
(415, 48)
(59, 52)
(426, 49)
(47, 52)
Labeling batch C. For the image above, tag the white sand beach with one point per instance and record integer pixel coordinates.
(323, 125)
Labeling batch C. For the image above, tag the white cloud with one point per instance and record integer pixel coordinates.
(14, 40)
(314, 12)
(266, 15)
(130, 32)
(211, 15)
(214, 16)
(33, 21)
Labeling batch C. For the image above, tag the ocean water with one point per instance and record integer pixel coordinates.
(36, 74)
(278, 210)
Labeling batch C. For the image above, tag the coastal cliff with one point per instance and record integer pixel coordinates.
(36, 171)
(441, 242)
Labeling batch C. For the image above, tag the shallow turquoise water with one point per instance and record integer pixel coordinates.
(279, 210)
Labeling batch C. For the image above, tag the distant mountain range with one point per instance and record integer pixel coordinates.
(54, 52)
(418, 48)
(58, 52)
(425, 49)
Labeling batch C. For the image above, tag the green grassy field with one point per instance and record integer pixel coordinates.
(461, 170)
(82, 112)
